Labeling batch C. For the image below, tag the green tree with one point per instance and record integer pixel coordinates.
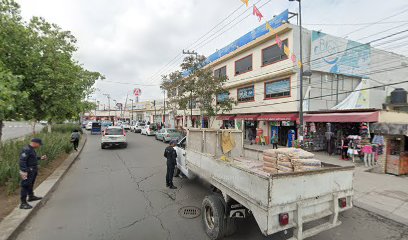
(200, 85)
(42, 54)
(11, 98)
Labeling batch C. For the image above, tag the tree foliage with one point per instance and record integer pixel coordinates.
(200, 86)
(40, 53)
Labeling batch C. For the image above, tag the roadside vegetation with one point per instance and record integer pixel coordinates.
(56, 143)
(39, 77)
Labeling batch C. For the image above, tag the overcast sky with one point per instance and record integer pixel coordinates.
(130, 41)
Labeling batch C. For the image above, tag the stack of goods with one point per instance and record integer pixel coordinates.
(365, 134)
(286, 160)
(270, 161)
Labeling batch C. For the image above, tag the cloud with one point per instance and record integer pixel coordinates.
(128, 41)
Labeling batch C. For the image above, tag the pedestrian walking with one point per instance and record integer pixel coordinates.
(274, 140)
(171, 155)
(28, 172)
(75, 136)
(251, 135)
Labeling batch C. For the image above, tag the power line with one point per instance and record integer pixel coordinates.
(352, 24)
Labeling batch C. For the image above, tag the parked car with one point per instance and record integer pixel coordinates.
(137, 128)
(84, 123)
(43, 122)
(106, 124)
(88, 126)
(148, 130)
(168, 134)
(126, 126)
(113, 136)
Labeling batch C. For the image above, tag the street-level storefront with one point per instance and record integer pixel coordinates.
(281, 124)
(248, 124)
(395, 141)
(227, 121)
(345, 133)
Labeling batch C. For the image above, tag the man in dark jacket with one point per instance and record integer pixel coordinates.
(28, 172)
(171, 155)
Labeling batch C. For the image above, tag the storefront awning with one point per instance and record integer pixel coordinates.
(342, 117)
(279, 117)
(247, 117)
(225, 117)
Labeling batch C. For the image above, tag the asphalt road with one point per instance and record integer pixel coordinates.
(18, 129)
(121, 194)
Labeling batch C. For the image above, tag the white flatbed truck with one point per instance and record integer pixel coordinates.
(278, 202)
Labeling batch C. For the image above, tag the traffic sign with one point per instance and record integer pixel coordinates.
(137, 92)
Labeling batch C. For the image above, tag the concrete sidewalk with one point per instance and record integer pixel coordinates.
(383, 194)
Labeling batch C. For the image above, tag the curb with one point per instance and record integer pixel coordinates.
(15, 221)
(380, 212)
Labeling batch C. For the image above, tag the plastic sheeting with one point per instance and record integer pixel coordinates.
(358, 99)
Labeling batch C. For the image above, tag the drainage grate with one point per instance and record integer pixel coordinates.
(189, 212)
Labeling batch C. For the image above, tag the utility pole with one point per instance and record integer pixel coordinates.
(188, 52)
(164, 107)
(154, 104)
(132, 108)
(108, 96)
(300, 132)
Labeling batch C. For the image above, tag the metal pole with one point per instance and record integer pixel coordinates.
(132, 108)
(300, 74)
(154, 104)
(164, 105)
(191, 108)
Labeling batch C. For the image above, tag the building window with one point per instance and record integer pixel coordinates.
(220, 72)
(277, 89)
(192, 104)
(246, 94)
(273, 54)
(243, 65)
(221, 97)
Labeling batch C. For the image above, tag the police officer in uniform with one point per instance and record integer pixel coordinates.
(171, 155)
(28, 172)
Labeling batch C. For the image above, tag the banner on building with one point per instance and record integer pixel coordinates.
(338, 55)
(260, 31)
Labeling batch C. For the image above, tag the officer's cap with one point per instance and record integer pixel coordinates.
(37, 140)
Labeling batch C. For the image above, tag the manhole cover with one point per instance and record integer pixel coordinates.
(189, 212)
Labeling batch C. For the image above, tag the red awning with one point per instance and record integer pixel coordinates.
(343, 117)
(225, 117)
(279, 117)
(247, 117)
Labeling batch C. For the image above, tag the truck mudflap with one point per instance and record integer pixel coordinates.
(298, 215)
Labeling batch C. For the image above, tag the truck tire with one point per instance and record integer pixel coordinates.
(213, 217)
(230, 224)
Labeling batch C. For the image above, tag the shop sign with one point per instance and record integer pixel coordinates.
(274, 123)
(287, 123)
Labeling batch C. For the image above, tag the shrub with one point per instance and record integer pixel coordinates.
(55, 144)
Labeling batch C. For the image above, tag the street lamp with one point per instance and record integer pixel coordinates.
(300, 73)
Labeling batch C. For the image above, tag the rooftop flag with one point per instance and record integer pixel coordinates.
(245, 1)
(286, 50)
(278, 41)
(269, 27)
(257, 13)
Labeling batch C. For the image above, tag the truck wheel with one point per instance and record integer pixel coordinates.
(102, 146)
(213, 214)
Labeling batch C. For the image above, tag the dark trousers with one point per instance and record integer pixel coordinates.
(28, 185)
(75, 142)
(274, 146)
(169, 174)
(344, 153)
